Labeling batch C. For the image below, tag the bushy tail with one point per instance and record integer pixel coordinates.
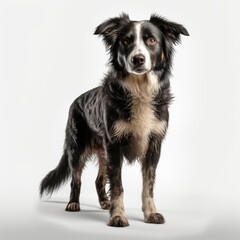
(56, 177)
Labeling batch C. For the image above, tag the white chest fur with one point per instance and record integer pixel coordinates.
(143, 120)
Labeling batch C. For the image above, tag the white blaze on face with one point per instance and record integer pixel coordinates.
(140, 48)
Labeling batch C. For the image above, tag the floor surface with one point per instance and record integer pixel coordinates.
(47, 220)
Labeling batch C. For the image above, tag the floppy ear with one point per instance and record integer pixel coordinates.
(170, 29)
(109, 29)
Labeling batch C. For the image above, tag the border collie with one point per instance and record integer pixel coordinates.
(124, 118)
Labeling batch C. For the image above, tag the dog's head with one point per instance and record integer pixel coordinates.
(140, 46)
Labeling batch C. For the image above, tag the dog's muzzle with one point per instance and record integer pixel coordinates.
(138, 60)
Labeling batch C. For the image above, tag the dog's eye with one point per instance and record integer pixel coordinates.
(125, 42)
(151, 41)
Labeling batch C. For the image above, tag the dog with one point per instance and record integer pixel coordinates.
(126, 117)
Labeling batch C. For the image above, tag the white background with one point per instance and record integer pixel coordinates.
(49, 56)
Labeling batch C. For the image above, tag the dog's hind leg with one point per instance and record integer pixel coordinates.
(101, 179)
(77, 144)
(74, 205)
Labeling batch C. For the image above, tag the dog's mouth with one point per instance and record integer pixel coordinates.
(139, 70)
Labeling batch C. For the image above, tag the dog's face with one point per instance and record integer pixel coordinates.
(140, 46)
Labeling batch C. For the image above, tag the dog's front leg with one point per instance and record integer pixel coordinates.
(149, 165)
(117, 212)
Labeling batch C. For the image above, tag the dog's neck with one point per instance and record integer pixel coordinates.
(143, 87)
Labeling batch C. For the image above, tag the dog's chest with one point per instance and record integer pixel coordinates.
(143, 121)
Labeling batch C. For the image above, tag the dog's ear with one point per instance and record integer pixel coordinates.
(110, 28)
(170, 30)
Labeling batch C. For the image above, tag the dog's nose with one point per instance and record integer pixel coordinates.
(138, 60)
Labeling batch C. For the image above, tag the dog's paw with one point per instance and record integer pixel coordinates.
(118, 221)
(73, 207)
(155, 218)
(105, 204)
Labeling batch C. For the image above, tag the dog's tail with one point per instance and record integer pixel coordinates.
(55, 178)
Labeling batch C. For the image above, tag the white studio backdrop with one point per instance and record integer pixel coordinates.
(49, 56)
